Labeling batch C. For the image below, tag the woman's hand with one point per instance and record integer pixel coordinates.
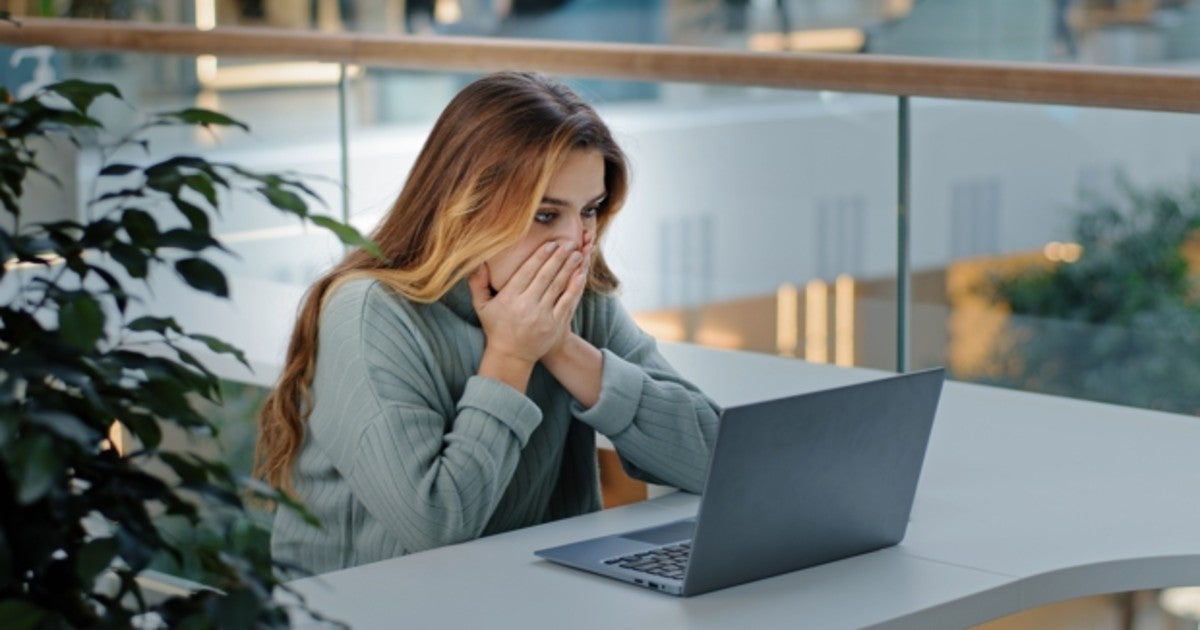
(576, 364)
(531, 314)
(559, 346)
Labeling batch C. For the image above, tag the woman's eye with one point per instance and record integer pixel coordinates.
(544, 217)
(591, 213)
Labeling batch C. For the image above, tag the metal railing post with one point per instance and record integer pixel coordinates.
(343, 141)
(903, 288)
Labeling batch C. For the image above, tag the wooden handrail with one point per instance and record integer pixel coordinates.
(1124, 88)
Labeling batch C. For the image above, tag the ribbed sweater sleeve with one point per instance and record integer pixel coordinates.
(430, 465)
(662, 426)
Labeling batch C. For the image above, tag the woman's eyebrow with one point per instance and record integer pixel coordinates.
(555, 201)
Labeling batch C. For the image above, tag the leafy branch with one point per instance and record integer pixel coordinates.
(79, 518)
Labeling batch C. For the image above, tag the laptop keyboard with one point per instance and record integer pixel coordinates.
(668, 561)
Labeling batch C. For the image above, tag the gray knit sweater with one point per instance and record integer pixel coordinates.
(408, 449)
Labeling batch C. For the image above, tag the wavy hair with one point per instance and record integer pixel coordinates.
(472, 192)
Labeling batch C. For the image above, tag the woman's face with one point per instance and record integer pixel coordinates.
(567, 214)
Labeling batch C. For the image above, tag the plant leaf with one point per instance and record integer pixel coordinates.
(203, 184)
(164, 180)
(140, 226)
(81, 94)
(189, 471)
(81, 322)
(347, 234)
(6, 251)
(95, 556)
(187, 357)
(135, 551)
(36, 467)
(203, 275)
(220, 347)
(195, 214)
(203, 117)
(66, 426)
(285, 200)
(118, 169)
(134, 260)
(239, 608)
(98, 233)
(114, 286)
(157, 324)
(120, 194)
(73, 119)
(191, 240)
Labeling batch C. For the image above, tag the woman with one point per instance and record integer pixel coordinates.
(452, 388)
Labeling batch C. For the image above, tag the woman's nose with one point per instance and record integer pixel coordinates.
(572, 232)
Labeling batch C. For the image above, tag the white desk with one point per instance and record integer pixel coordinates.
(1024, 500)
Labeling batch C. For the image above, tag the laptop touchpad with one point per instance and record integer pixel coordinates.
(663, 534)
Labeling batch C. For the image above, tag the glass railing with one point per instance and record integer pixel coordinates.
(761, 219)
(1065, 240)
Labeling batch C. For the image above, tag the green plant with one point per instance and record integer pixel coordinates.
(78, 519)
(1122, 323)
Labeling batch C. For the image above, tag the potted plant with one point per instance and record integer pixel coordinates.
(80, 520)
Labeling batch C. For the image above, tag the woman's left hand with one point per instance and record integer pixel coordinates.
(564, 331)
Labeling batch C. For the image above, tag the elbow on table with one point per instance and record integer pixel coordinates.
(449, 520)
(448, 532)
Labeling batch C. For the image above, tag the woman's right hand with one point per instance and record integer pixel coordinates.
(524, 320)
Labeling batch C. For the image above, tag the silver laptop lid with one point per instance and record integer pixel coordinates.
(835, 475)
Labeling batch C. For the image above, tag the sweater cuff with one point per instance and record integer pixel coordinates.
(620, 394)
(503, 403)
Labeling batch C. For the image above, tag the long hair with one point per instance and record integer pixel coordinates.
(472, 192)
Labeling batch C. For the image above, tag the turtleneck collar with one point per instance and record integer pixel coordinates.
(458, 300)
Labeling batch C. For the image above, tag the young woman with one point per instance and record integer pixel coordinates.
(453, 388)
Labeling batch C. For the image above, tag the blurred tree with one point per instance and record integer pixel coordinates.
(1121, 323)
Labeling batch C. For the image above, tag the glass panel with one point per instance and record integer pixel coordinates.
(1058, 249)
(748, 205)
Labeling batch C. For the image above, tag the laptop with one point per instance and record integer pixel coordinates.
(794, 482)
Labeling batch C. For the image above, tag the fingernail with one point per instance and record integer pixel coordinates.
(575, 257)
(551, 246)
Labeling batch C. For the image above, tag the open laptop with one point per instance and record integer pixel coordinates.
(794, 482)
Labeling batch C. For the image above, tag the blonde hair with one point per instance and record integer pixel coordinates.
(472, 192)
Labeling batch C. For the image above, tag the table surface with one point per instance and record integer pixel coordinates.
(1024, 500)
